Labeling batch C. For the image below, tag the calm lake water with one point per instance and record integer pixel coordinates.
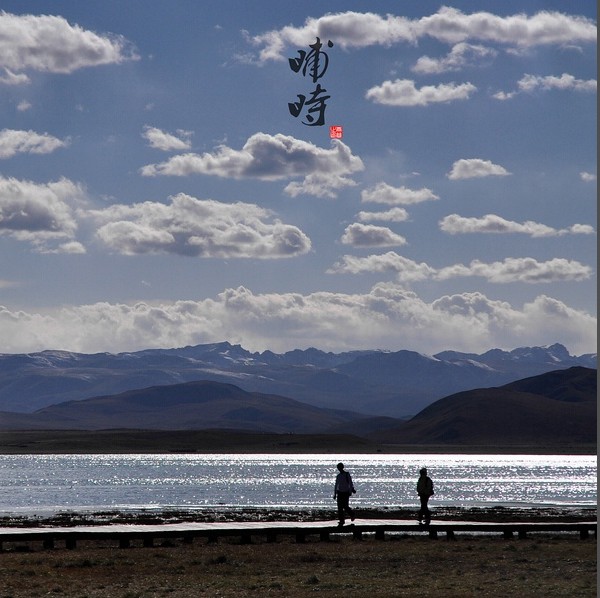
(43, 484)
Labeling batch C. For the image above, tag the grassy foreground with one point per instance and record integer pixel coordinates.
(558, 565)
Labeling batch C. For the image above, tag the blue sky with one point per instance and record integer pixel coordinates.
(156, 191)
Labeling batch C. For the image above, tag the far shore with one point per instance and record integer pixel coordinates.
(31, 442)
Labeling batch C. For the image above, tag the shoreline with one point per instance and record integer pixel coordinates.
(493, 514)
(45, 442)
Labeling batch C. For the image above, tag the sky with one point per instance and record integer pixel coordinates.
(168, 175)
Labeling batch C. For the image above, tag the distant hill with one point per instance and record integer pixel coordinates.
(553, 409)
(558, 407)
(189, 406)
(378, 383)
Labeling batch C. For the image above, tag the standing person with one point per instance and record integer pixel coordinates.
(425, 491)
(342, 491)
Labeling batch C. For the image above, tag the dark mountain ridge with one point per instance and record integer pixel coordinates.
(188, 406)
(394, 384)
(553, 408)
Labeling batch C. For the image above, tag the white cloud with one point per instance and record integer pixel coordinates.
(386, 194)
(386, 317)
(588, 177)
(27, 142)
(475, 168)
(531, 83)
(23, 106)
(10, 78)
(69, 247)
(393, 215)
(448, 25)
(200, 228)
(406, 270)
(460, 56)
(368, 235)
(491, 223)
(39, 213)
(403, 92)
(49, 43)
(543, 28)
(527, 269)
(524, 269)
(319, 185)
(167, 142)
(269, 158)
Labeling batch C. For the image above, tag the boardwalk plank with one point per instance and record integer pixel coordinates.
(124, 534)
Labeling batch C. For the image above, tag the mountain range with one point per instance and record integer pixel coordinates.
(555, 408)
(371, 382)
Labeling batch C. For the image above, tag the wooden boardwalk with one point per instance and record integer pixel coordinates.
(126, 534)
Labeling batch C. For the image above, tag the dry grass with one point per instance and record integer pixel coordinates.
(561, 565)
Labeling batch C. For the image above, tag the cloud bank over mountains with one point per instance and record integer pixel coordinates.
(284, 321)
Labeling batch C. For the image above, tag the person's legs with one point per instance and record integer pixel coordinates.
(425, 513)
(349, 510)
(424, 510)
(342, 503)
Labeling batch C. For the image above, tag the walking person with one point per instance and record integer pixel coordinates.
(425, 491)
(342, 491)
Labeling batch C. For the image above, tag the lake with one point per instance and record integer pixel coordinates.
(45, 484)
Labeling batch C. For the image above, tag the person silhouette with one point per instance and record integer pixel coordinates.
(344, 487)
(425, 491)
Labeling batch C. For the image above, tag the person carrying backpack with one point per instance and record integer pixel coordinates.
(342, 491)
(425, 491)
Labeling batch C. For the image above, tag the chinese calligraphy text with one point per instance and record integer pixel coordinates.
(313, 64)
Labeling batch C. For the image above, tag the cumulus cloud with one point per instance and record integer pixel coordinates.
(27, 142)
(199, 228)
(41, 214)
(523, 269)
(588, 177)
(393, 215)
(386, 317)
(491, 223)
(386, 194)
(406, 270)
(167, 142)
(369, 235)
(460, 56)
(404, 92)
(51, 44)
(475, 168)
(448, 25)
(527, 269)
(269, 158)
(531, 83)
(319, 185)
